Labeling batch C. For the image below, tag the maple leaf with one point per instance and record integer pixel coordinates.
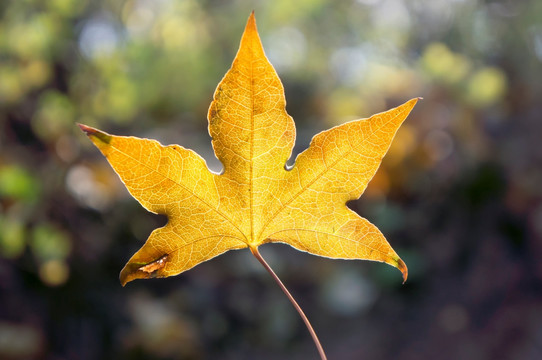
(256, 200)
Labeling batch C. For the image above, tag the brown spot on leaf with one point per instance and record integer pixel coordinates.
(155, 265)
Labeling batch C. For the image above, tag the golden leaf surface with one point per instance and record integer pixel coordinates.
(256, 200)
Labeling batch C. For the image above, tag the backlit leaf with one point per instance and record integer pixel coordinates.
(256, 200)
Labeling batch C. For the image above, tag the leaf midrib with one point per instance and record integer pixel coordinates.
(250, 188)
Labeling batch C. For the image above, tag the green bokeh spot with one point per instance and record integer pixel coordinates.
(19, 184)
(49, 243)
(12, 241)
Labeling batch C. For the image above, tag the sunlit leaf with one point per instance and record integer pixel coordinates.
(256, 200)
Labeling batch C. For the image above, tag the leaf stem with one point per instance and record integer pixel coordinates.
(257, 255)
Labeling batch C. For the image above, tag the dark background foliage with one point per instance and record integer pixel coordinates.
(458, 195)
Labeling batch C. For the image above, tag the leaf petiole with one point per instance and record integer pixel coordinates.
(257, 255)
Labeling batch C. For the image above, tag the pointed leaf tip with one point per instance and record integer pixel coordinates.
(95, 133)
(251, 45)
(403, 268)
(252, 20)
(134, 271)
(251, 27)
(130, 273)
(86, 129)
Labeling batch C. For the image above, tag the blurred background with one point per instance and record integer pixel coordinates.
(458, 196)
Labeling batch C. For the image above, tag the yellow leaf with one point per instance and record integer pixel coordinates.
(256, 200)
